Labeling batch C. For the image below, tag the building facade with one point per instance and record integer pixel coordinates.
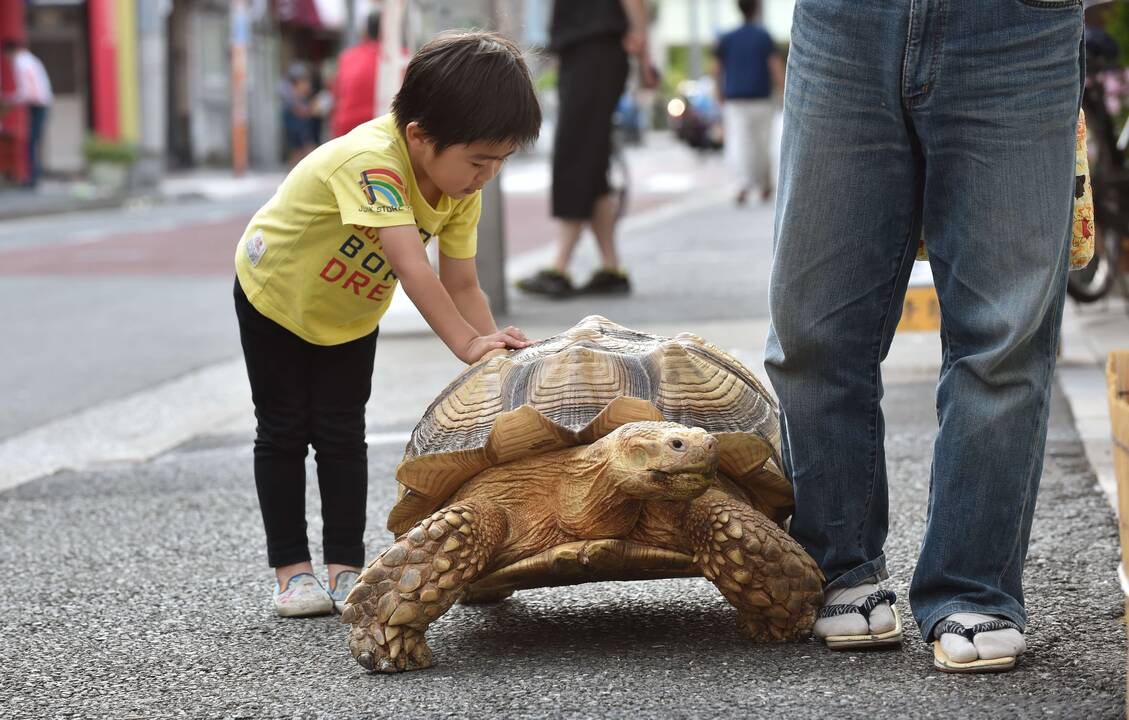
(157, 76)
(196, 83)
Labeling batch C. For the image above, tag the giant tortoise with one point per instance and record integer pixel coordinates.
(598, 454)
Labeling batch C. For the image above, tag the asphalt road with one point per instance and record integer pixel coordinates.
(141, 591)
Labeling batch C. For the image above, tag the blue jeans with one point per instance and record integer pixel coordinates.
(37, 118)
(956, 117)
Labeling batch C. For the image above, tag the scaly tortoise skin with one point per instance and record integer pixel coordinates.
(598, 454)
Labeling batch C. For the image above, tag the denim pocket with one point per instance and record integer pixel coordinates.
(1052, 4)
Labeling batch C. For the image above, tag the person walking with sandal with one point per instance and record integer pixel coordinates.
(956, 119)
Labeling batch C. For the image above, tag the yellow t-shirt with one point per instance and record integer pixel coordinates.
(311, 258)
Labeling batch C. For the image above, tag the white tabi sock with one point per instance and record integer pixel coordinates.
(985, 645)
(881, 617)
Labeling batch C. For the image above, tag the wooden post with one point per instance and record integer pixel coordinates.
(240, 39)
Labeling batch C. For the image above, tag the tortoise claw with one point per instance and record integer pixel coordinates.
(365, 660)
(384, 659)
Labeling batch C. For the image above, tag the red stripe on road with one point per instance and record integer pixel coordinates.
(198, 250)
(208, 249)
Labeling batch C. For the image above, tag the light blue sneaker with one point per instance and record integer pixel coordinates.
(304, 596)
(340, 586)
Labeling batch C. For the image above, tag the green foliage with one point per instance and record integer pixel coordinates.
(1117, 25)
(98, 149)
(677, 68)
(547, 80)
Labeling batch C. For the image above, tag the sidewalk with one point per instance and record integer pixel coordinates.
(143, 592)
(1090, 333)
(53, 197)
(658, 170)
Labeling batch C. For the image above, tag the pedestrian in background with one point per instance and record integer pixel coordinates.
(297, 95)
(33, 91)
(748, 69)
(316, 270)
(592, 40)
(354, 88)
(959, 118)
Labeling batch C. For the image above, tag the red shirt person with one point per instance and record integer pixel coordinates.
(354, 89)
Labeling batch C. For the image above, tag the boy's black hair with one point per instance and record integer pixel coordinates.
(749, 8)
(463, 86)
(372, 27)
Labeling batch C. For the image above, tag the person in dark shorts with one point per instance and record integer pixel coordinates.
(592, 40)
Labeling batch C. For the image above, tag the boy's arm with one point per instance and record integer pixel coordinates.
(460, 278)
(409, 261)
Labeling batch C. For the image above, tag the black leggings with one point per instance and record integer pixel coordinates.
(308, 394)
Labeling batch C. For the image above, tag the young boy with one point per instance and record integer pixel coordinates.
(316, 269)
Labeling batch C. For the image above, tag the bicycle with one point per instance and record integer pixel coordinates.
(619, 175)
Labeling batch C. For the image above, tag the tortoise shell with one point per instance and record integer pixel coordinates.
(576, 387)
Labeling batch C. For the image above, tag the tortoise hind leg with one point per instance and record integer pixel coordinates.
(416, 580)
(775, 586)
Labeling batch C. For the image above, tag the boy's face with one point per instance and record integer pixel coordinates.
(461, 170)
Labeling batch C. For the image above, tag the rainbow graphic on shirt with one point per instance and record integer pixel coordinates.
(383, 183)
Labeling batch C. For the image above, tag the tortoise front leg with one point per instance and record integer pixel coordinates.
(416, 580)
(775, 585)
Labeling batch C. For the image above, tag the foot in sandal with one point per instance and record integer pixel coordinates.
(976, 643)
(857, 617)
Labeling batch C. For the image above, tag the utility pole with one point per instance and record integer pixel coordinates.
(491, 260)
(501, 18)
(391, 57)
(350, 38)
(153, 81)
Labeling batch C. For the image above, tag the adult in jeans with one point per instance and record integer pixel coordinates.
(956, 117)
(592, 40)
(747, 71)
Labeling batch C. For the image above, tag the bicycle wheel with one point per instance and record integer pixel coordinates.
(1093, 282)
(619, 179)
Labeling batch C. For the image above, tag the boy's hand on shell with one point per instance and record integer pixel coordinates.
(510, 337)
(516, 334)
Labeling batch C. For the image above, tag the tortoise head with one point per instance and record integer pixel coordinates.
(662, 460)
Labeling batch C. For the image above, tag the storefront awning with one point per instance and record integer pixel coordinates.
(325, 14)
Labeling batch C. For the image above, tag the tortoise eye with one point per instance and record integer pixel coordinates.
(677, 444)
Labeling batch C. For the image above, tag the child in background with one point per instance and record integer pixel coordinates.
(316, 269)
